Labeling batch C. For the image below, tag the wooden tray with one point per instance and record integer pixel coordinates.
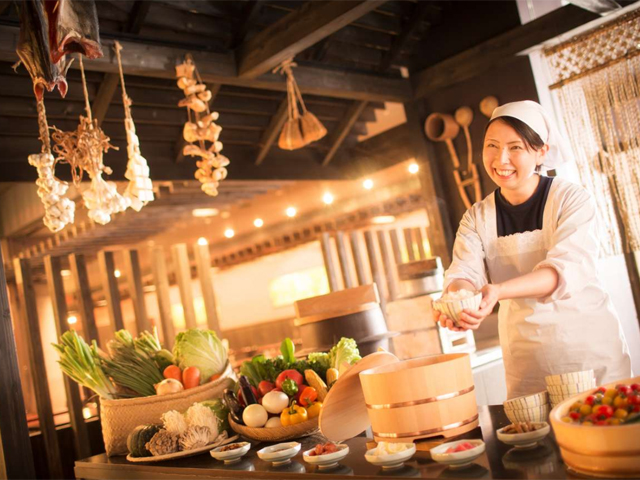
(276, 434)
(185, 453)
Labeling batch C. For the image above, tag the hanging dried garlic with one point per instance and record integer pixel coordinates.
(201, 128)
(140, 189)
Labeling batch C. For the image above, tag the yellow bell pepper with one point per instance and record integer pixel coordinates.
(313, 410)
(293, 415)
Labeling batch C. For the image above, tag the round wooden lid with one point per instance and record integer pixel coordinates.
(419, 269)
(344, 411)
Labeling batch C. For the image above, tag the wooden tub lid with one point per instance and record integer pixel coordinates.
(344, 411)
(419, 269)
(337, 304)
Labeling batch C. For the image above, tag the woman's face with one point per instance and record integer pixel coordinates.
(506, 158)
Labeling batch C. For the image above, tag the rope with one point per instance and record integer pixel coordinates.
(43, 127)
(87, 106)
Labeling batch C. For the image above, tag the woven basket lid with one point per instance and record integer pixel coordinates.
(344, 410)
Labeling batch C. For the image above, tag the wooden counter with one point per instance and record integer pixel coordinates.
(499, 461)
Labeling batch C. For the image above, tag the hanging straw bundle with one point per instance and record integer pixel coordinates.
(299, 130)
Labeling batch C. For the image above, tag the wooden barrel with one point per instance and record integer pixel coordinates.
(424, 397)
(421, 277)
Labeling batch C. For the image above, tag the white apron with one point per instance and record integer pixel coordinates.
(579, 330)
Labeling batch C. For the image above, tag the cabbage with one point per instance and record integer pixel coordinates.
(202, 349)
(346, 350)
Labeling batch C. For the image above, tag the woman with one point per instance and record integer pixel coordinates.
(532, 246)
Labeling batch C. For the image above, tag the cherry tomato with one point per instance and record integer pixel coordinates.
(601, 390)
(173, 371)
(191, 376)
(574, 415)
(604, 411)
(623, 389)
(633, 400)
(635, 387)
(590, 400)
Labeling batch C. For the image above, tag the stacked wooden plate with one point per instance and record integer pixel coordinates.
(561, 387)
(529, 408)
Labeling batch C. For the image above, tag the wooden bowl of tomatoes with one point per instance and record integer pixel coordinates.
(598, 431)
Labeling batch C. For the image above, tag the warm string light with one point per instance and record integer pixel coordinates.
(327, 198)
(258, 222)
(72, 319)
(291, 212)
(116, 273)
(367, 184)
(65, 273)
(414, 168)
(229, 233)
(202, 241)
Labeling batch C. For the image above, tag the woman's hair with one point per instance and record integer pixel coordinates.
(528, 135)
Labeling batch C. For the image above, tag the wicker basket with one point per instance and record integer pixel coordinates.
(120, 417)
(276, 434)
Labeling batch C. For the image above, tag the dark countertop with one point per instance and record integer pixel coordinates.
(499, 461)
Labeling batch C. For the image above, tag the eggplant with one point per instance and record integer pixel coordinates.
(247, 392)
(235, 409)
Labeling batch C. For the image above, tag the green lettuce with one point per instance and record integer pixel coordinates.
(346, 350)
(202, 349)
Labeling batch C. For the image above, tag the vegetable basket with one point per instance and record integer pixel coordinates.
(276, 434)
(119, 417)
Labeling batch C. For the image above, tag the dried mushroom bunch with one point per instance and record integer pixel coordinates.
(163, 443)
(196, 437)
(201, 129)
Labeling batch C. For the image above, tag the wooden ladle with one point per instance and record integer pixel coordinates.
(464, 117)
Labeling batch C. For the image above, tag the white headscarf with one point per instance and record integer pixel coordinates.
(543, 124)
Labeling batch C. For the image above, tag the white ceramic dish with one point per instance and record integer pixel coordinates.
(536, 414)
(328, 460)
(457, 459)
(527, 401)
(231, 456)
(279, 454)
(524, 440)
(585, 376)
(392, 460)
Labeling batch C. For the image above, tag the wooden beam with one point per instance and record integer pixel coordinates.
(395, 246)
(356, 252)
(329, 265)
(16, 458)
(343, 129)
(419, 13)
(182, 270)
(495, 52)
(109, 282)
(83, 294)
(417, 235)
(272, 132)
(27, 298)
(296, 32)
(344, 261)
(134, 281)
(203, 264)
(376, 271)
(389, 266)
(4, 5)
(408, 241)
(249, 13)
(136, 17)
(103, 98)
(220, 68)
(53, 269)
(161, 280)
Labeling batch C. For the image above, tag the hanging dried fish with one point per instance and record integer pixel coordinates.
(73, 28)
(201, 128)
(140, 189)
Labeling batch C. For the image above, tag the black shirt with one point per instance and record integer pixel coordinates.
(525, 217)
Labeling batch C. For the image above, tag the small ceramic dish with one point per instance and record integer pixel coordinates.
(231, 456)
(391, 460)
(569, 389)
(585, 377)
(527, 401)
(457, 459)
(527, 439)
(328, 460)
(279, 454)
(454, 306)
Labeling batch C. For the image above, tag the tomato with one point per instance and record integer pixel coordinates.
(574, 416)
(607, 400)
(624, 390)
(605, 411)
(585, 410)
(635, 387)
(294, 375)
(590, 400)
(610, 392)
(601, 390)
(173, 371)
(191, 376)
(633, 400)
(265, 387)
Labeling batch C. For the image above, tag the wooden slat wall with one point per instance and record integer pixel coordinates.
(356, 251)
(389, 266)
(29, 316)
(376, 272)
(417, 235)
(329, 265)
(16, 458)
(203, 264)
(81, 281)
(53, 268)
(408, 240)
(134, 281)
(161, 280)
(110, 287)
(395, 246)
(183, 275)
(345, 267)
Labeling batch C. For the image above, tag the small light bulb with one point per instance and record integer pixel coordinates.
(414, 168)
(229, 233)
(65, 273)
(258, 223)
(291, 212)
(72, 319)
(327, 198)
(202, 241)
(368, 184)
(117, 273)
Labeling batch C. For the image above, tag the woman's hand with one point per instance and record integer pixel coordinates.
(470, 320)
(445, 322)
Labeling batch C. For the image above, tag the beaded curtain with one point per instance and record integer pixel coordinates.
(597, 87)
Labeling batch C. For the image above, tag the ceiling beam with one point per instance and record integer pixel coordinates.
(4, 5)
(273, 130)
(158, 61)
(340, 133)
(136, 17)
(249, 13)
(418, 14)
(105, 94)
(495, 52)
(296, 32)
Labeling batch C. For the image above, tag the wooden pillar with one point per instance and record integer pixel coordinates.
(110, 287)
(29, 314)
(203, 263)
(408, 240)
(440, 233)
(344, 261)
(53, 270)
(356, 252)
(329, 266)
(183, 275)
(83, 289)
(16, 458)
(376, 272)
(388, 264)
(161, 280)
(417, 235)
(395, 246)
(134, 281)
